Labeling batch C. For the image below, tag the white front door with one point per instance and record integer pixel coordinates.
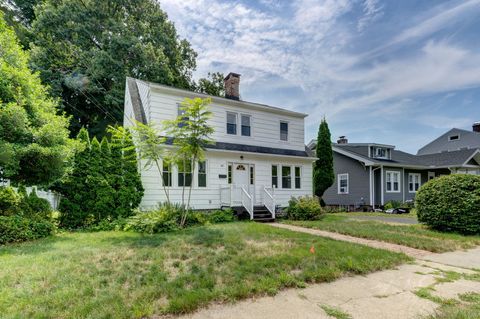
(240, 174)
(241, 178)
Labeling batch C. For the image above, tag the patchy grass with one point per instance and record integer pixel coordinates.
(335, 312)
(416, 236)
(412, 215)
(129, 275)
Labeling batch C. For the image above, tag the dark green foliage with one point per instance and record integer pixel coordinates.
(168, 217)
(104, 183)
(450, 203)
(18, 228)
(100, 43)
(34, 144)
(212, 84)
(304, 208)
(392, 204)
(9, 201)
(34, 206)
(323, 175)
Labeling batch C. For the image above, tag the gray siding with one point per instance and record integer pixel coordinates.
(423, 180)
(388, 196)
(358, 177)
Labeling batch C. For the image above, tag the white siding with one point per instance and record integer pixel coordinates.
(265, 125)
(144, 92)
(128, 115)
(217, 164)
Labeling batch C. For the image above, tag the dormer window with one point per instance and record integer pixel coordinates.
(453, 137)
(381, 152)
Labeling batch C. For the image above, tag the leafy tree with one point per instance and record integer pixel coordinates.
(191, 134)
(104, 184)
(212, 84)
(99, 43)
(19, 14)
(323, 175)
(34, 143)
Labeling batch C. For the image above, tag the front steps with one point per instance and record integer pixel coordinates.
(262, 215)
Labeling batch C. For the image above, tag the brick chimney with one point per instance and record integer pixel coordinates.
(342, 140)
(232, 86)
(476, 127)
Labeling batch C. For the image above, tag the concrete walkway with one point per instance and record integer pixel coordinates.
(385, 294)
(416, 253)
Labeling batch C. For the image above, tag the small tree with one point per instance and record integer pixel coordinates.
(191, 134)
(323, 175)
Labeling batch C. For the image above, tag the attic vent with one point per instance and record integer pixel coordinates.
(453, 137)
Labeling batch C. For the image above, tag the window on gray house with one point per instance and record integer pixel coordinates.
(184, 173)
(284, 131)
(232, 123)
(286, 177)
(274, 176)
(246, 130)
(202, 174)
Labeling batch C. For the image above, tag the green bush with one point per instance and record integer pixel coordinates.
(9, 201)
(18, 228)
(35, 206)
(392, 204)
(167, 217)
(450, 203)
(304, 208)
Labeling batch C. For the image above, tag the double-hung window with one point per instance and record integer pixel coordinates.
(166, 174)
(202, 174)
(342, 180)
(286, 177)
(298, 177)
(274, 176)
(246, 127)
(413, 182)
(184, 173)
(232, 123)
(393, 181)
(180, 112)
(283, 131)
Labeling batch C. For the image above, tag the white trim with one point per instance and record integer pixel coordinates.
(370, 185)
(403, 185)
(413, 181)
(347, 153)
(280, 131)
(251, 125)
(227, 113)
(391, 181)
(339, 178)
(471, 157)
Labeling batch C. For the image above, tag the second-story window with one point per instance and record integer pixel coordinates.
(283, 131)
(246, 130)
(232, 123)
(180, 112)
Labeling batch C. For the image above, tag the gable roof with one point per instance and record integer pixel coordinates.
(466, 140)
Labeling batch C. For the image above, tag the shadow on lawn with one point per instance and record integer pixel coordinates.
(32, 247)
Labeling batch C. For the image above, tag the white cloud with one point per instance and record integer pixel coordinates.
(372, 10)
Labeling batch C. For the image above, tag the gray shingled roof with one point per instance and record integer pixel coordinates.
(444, 159)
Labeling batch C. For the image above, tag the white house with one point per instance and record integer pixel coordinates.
(259, 160)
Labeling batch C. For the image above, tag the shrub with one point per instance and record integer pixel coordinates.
(35, 206)
(304, 208)
(450, 203)
(392, 204)
(18, 228)
(9, 201)
(221, 216)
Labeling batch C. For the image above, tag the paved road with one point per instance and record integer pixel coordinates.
(399, 220)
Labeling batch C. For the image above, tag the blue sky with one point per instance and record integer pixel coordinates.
(393, 72)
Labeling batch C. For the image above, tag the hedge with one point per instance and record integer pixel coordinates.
(17, 229)
(450, 203)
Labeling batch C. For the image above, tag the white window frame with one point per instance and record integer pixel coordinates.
(340, 177)
(197, 173)
(456, 137)
(236, 123)
(392, 173)
(251, 126)
(289, 176)
(414, 177)
(280, 130)
(295, 176)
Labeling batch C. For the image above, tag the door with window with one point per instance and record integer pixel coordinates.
(243, 175)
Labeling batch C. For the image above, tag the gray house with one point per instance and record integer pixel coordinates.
(373, 174)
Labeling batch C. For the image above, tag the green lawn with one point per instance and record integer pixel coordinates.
(412, 214)
(416, 236)
(128, 275)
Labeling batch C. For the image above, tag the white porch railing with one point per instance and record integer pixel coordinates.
(269, 200)
(247, 202)
(226, 195)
